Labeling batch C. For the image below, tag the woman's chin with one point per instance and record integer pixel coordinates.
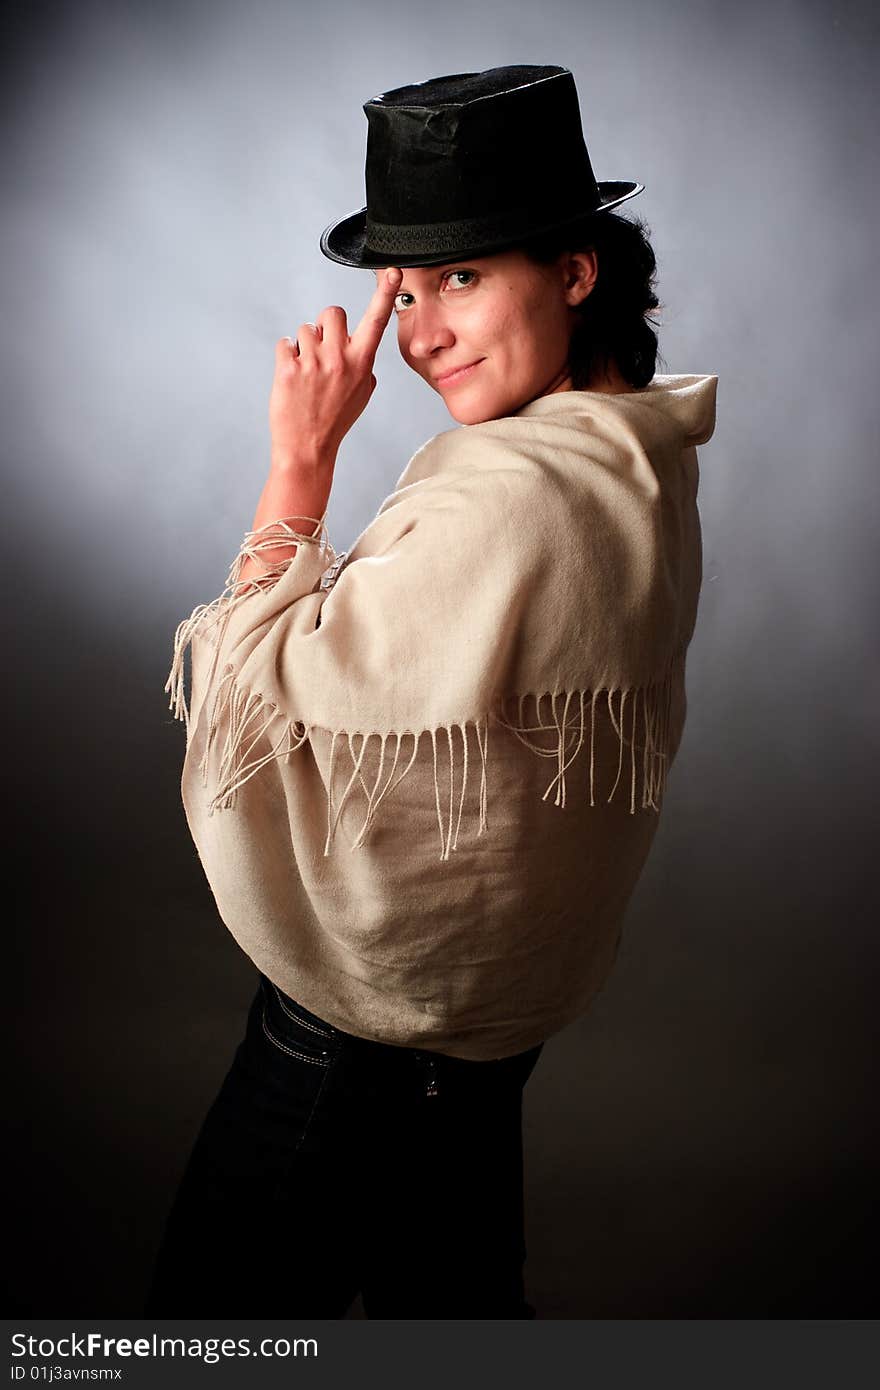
(475, 412)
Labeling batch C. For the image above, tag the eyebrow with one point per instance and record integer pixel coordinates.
(443, 266)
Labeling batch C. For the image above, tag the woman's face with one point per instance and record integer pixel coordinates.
(502, 318)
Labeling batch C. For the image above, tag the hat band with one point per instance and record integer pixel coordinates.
(424, 238)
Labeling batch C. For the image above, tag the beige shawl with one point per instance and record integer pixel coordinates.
(520, 605)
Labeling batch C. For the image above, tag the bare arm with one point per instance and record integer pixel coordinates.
(296, 489)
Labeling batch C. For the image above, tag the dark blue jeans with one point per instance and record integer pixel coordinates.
(330, 1165)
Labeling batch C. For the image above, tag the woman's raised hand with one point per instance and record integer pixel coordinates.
(324, 380)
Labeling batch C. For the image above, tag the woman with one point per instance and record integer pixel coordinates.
(368, 736)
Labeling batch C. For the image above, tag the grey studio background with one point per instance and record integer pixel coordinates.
(702, 1143)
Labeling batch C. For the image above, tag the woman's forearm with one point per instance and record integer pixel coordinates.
(297, 488)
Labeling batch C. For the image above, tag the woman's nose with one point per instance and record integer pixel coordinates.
(428, 332)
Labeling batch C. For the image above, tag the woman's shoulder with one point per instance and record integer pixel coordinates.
(500, 452)
(509, 461)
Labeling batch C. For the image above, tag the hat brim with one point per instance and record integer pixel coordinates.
(345, 241)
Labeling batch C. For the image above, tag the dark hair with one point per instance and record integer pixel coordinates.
(614, 322)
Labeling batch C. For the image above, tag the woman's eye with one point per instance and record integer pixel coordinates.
(404, 298)
(471, 273)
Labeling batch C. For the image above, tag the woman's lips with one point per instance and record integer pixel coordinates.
(459, 374)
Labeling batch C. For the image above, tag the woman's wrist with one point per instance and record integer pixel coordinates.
(306, 464)
(296, 487)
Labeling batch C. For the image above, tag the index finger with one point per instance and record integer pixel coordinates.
(367, 336)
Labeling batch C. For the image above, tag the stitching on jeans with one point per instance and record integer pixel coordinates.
(296, 1018)
(325, 1066)
(315, 1061)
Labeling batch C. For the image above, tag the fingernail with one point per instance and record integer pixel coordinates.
(393, 275)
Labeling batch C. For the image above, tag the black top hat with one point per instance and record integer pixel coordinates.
(469, 164)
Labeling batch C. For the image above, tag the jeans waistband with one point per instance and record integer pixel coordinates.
(329, 1030)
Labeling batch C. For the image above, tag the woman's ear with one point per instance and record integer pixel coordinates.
(580, 269)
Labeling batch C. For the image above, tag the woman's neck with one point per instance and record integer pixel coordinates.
(611, 382)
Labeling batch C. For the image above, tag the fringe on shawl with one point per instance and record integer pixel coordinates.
(206, 615)
(640, 721)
